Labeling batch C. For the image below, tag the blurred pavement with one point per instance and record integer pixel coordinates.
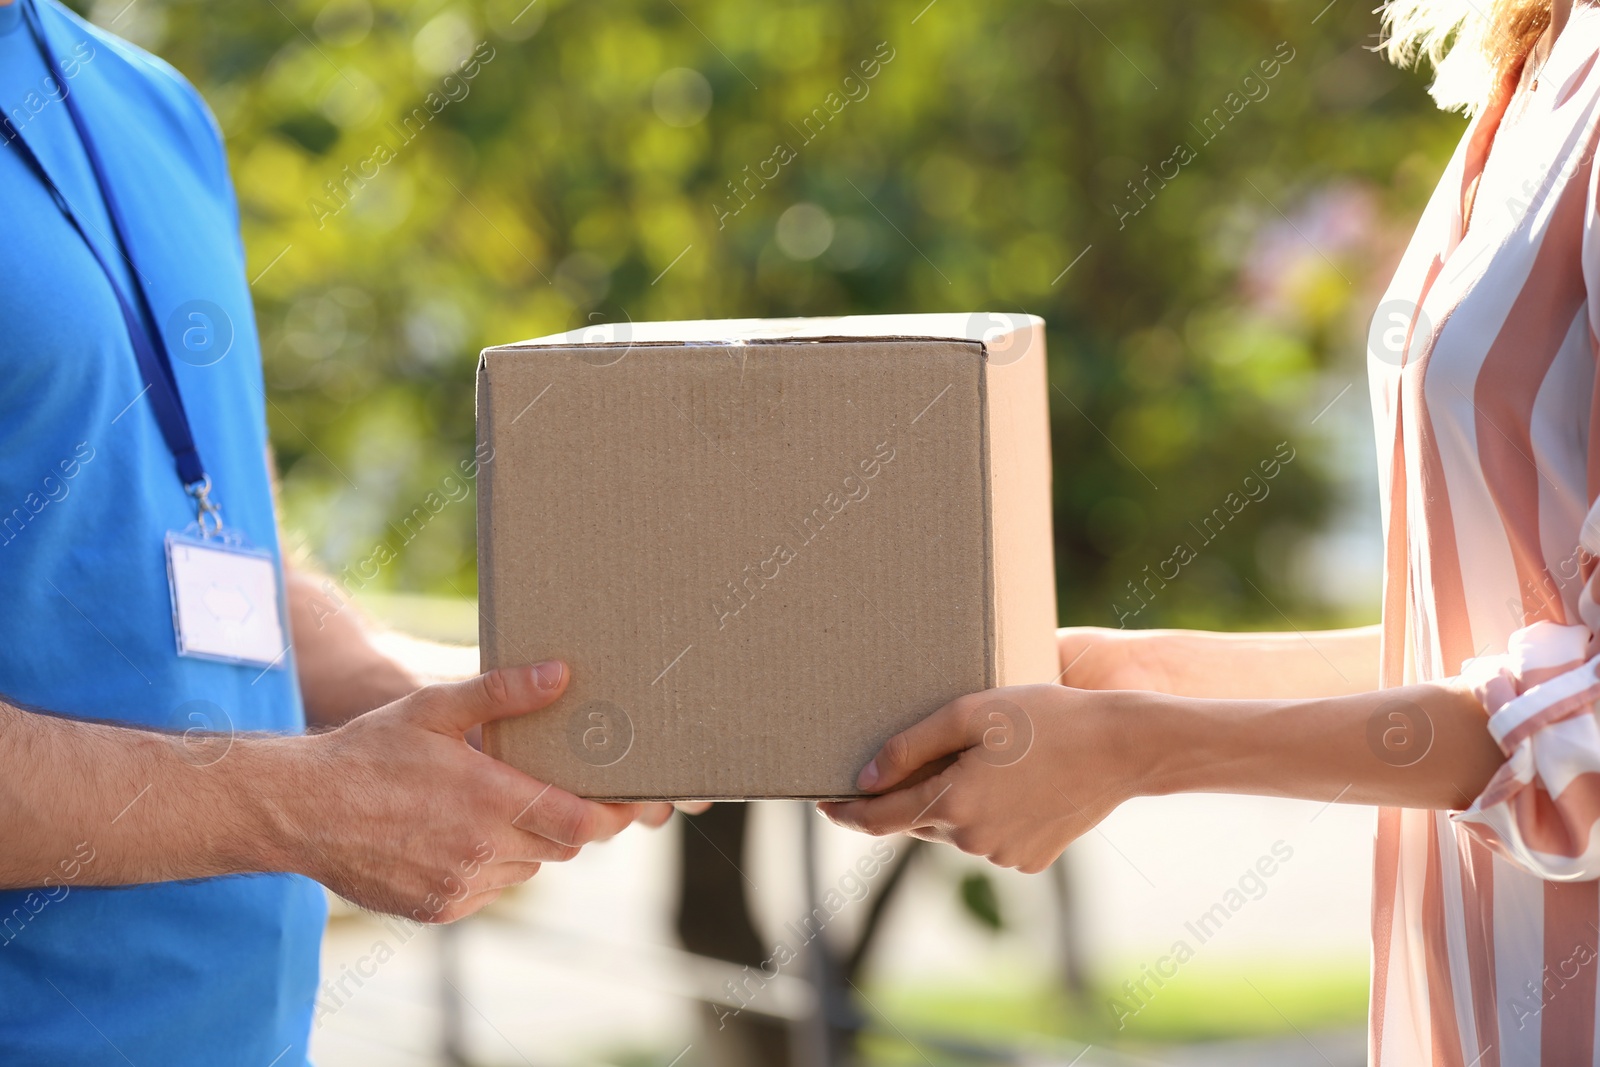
(581, 967)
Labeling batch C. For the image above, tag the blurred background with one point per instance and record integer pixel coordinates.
(1203, 201)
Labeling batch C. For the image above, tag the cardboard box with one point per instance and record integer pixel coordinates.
(764, 547)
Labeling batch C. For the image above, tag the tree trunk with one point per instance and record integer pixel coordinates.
(714, 920)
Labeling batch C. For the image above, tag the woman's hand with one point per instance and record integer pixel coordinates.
(1098, 657)
(1014, 775)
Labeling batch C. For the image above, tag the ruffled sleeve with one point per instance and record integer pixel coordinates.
(1542, 807)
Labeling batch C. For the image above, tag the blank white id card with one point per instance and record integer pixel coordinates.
(225, 601)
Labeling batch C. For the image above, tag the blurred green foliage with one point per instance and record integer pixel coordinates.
(1310, 999)
(582, 172)
(981, 901)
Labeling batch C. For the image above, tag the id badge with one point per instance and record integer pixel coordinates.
(225, 601)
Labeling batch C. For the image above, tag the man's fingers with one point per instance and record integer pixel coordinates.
(940, 734)
(507, 874)
(655, 815)
(922, 805)
(456, 707)
(616, 818)
(557, 815)
(468, 906)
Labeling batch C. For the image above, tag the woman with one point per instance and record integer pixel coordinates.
(1481, 744)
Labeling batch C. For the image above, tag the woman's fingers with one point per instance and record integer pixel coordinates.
(940, 734)
(924, 805)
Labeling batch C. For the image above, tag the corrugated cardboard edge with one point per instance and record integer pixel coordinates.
(1023, 554)
(991, 621)
(822, 339)
(488, 649)
(936, 326)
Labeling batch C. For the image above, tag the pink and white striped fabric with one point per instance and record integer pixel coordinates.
(1486, 922)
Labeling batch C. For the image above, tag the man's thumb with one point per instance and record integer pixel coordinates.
(504, 693)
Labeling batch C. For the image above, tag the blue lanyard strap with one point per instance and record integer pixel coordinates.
(149, 348)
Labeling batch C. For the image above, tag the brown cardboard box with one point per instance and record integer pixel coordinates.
(764, 547)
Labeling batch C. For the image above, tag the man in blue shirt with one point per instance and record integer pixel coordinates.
(158, 896)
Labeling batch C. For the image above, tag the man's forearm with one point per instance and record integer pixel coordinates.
(111, 805)
(1242, 666)
(354, 808)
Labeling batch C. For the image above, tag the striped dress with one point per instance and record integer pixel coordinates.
(1486, 922)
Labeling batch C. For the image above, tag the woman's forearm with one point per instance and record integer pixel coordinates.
(1241, 666)
(1086, 752)
(1422, 746)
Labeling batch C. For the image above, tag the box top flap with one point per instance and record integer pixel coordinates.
(986, 327)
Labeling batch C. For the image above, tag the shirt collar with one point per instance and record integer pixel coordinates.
(1572, 56)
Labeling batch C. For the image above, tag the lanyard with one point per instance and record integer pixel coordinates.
(149, 347)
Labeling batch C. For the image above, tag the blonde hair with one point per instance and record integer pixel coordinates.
(1470, 44)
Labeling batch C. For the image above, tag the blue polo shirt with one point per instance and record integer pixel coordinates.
(219, 971)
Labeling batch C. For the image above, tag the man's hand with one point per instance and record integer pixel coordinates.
(394, 810)
(1013, 775)
(408, 818)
